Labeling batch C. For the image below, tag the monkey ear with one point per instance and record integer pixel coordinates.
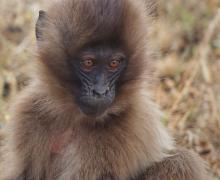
(40, 24)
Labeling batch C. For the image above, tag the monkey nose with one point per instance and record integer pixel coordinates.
(100, 90)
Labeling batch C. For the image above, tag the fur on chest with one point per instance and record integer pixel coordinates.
(113, 155)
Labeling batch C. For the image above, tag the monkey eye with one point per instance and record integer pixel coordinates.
(114, 64)
(87, 64)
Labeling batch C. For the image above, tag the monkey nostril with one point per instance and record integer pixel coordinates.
(101, 91)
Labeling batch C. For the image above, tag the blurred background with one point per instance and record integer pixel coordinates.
(186, 37)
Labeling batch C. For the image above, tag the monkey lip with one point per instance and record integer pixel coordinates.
(93, 106)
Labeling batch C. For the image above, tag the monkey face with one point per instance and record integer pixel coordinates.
(97, 70)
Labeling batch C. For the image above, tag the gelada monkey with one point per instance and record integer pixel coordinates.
(87, 113)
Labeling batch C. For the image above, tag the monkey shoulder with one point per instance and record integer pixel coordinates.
(29, 116)
(29, 107)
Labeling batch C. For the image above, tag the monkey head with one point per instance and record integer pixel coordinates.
(94, 52)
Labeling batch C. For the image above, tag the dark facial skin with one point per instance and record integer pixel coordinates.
(98, 69)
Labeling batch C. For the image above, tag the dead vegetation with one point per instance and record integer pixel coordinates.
(187, 35)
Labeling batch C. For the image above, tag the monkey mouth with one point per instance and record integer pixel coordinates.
(94, 107)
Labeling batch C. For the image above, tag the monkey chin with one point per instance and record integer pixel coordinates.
(94, 112)
(99, 116)
(94, 108)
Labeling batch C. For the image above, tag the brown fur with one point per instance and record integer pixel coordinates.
(183, 164)
(128, 139)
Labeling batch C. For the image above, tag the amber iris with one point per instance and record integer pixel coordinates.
(87, 64)
(114, 64)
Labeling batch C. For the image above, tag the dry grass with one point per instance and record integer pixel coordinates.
(188, 39)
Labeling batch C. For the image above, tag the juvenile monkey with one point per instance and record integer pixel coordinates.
(88, 113)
